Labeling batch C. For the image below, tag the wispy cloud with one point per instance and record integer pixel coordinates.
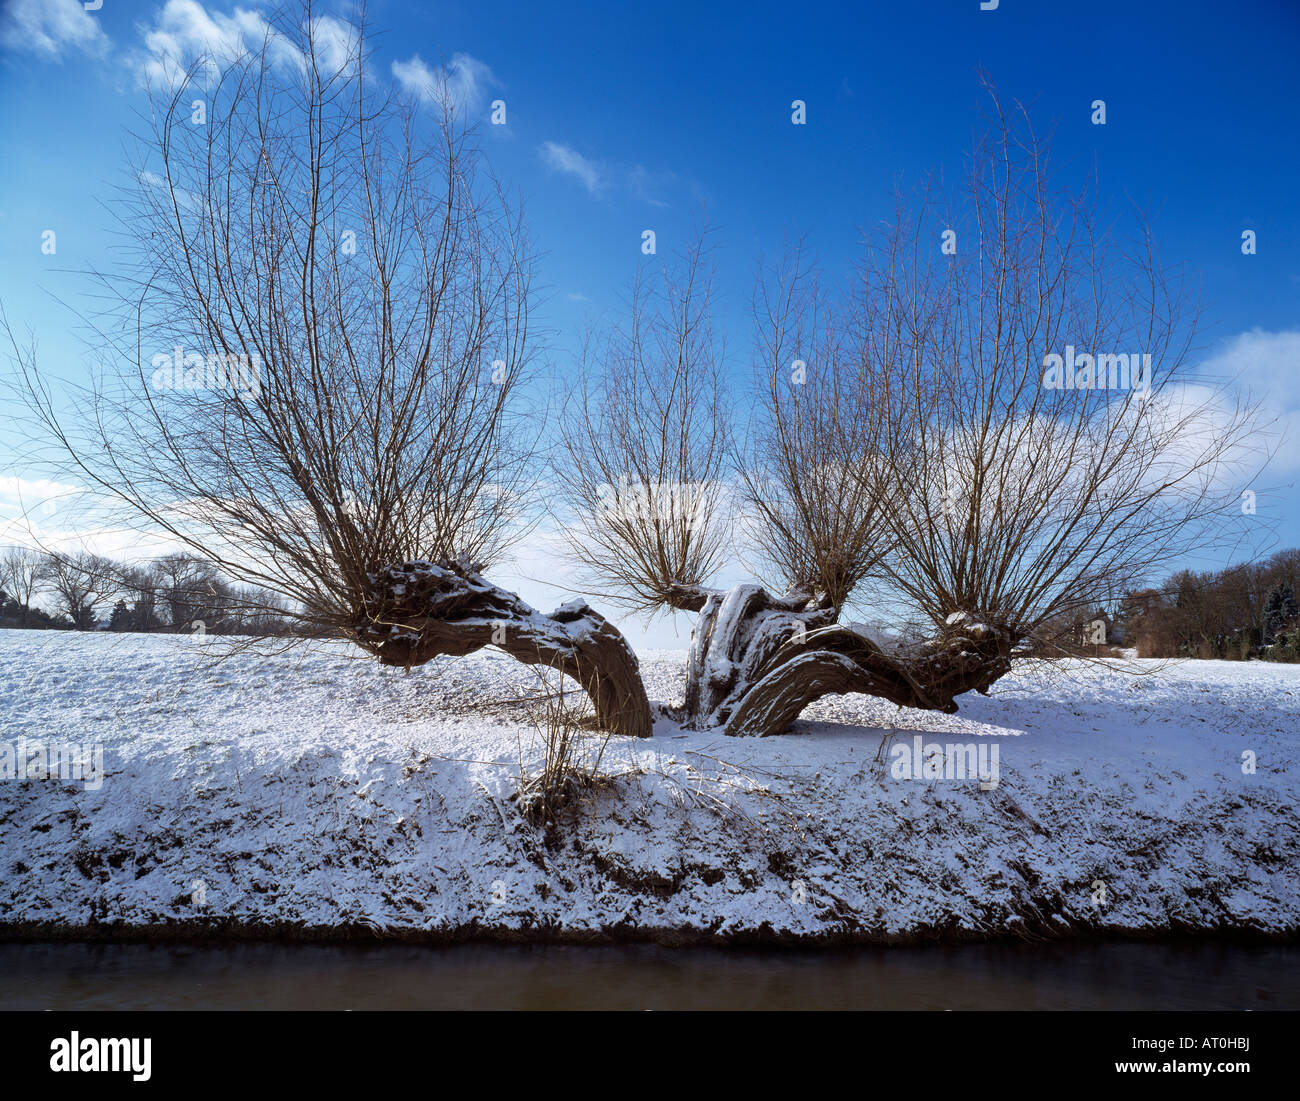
(51, 28)
(566, 159)
(462, 85)
(645, 184)
(184, 32)
(337, 44)
(599, 177)
(1267, 365)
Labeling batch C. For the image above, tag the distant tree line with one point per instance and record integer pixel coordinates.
(175, 593)
(1240, 613)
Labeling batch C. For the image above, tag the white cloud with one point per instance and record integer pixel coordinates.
(185, 31)
(50, 27)
(564, 158)
(1266, 362)
(34, 511)
(461, 85)
(544, 572)
(1267, 366)
(337, 44)
(32, 496)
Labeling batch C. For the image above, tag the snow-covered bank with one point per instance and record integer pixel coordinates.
(311, 792)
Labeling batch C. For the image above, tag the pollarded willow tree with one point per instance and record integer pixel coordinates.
(991, 429)
(323, 389)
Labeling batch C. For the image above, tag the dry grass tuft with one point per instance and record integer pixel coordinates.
(573, 750)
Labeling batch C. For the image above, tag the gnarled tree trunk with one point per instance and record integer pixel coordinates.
(736, 637)
(415, 611)
(756, 661)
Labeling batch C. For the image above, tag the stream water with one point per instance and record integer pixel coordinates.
(1174, 975)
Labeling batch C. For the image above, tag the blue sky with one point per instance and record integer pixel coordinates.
(623, 117)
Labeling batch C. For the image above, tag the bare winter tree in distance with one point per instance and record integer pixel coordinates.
(22, 578)
(81, 583)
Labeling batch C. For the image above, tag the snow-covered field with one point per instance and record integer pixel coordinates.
(315, 792)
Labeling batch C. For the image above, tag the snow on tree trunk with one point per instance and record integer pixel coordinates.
(415, 611)
(735, 638)
(756, 661)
